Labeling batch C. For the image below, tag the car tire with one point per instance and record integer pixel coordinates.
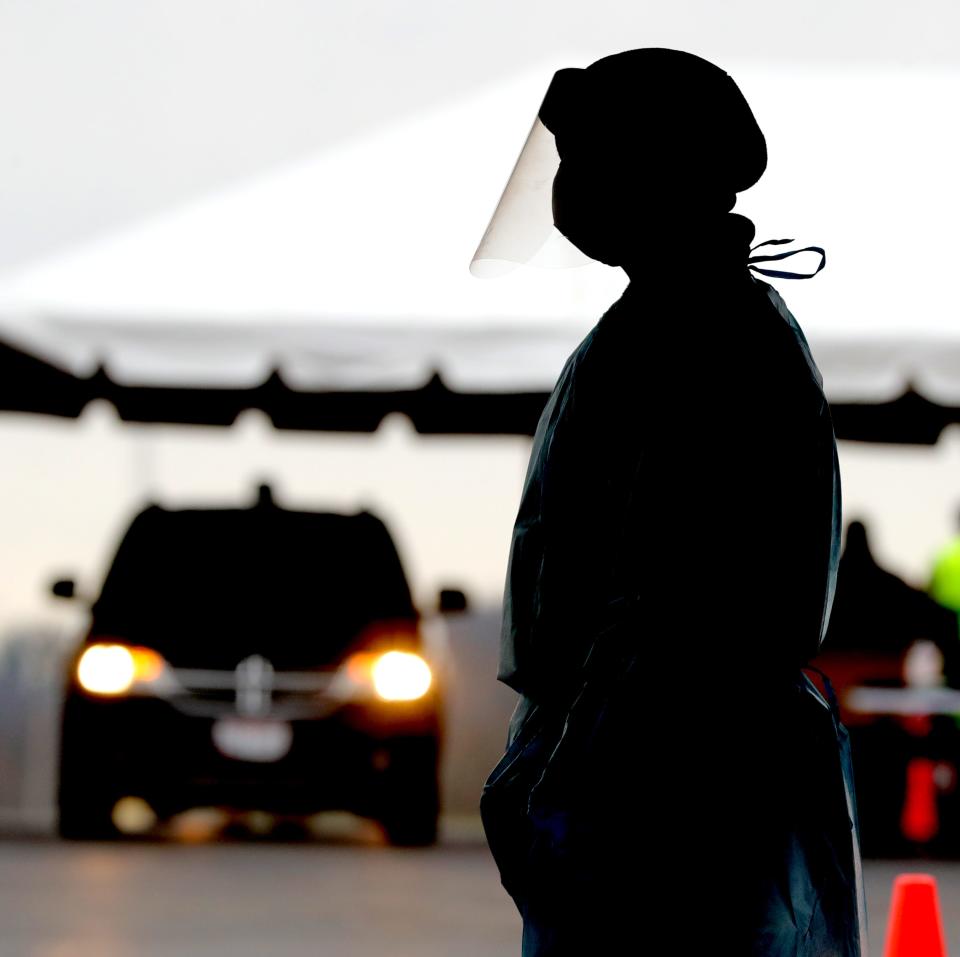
(413, 829)
(86, 820)
(85, 811)
(411, 796)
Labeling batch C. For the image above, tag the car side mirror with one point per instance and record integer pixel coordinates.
(64, 588)
(451, 600)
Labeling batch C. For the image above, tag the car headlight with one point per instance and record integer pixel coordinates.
(389, 676)
(401, 676)
(113, 669)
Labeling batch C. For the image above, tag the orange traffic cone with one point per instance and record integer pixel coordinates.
(915, 928)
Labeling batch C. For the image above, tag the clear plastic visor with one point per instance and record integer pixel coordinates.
(521, 230)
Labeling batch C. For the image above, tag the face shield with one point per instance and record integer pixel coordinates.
(668, 130)
(521, 230)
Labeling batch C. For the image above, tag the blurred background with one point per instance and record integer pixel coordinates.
(263, 438)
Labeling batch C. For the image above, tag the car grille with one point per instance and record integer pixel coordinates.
(287, 695)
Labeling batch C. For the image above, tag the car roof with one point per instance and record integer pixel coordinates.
(233, 566)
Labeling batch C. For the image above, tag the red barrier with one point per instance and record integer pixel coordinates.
(920, 821)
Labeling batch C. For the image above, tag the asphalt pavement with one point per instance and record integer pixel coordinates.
(340, 894)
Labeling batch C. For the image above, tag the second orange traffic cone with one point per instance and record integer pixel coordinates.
(915, 928)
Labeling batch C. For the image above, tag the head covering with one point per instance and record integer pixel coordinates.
(660, 121)
(660, 112)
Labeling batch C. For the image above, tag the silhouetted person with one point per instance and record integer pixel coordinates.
(875, 610)
(944, 584)
(876, 618)
(670, 780)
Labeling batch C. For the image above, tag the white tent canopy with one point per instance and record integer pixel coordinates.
(350, 270)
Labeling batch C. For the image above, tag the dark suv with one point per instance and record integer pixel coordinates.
(253, 658)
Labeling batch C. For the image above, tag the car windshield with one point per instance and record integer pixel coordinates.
(206, 588)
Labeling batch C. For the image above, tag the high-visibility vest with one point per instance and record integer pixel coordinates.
(945, 582)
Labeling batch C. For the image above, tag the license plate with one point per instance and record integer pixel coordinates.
(251, 739)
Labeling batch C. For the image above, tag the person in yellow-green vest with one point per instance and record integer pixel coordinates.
(944, 586)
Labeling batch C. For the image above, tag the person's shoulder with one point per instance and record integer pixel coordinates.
(679, 343)
(751, 334)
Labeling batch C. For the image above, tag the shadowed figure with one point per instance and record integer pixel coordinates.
(944, 584)
(883, 632)
(670, 773)
(876, 611)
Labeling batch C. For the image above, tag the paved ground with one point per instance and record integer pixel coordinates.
(343, 895)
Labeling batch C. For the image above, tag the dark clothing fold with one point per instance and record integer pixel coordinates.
(672, 569)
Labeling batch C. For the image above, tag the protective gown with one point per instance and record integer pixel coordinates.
(673, 782)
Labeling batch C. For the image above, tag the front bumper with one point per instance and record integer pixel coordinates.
(345, 759)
